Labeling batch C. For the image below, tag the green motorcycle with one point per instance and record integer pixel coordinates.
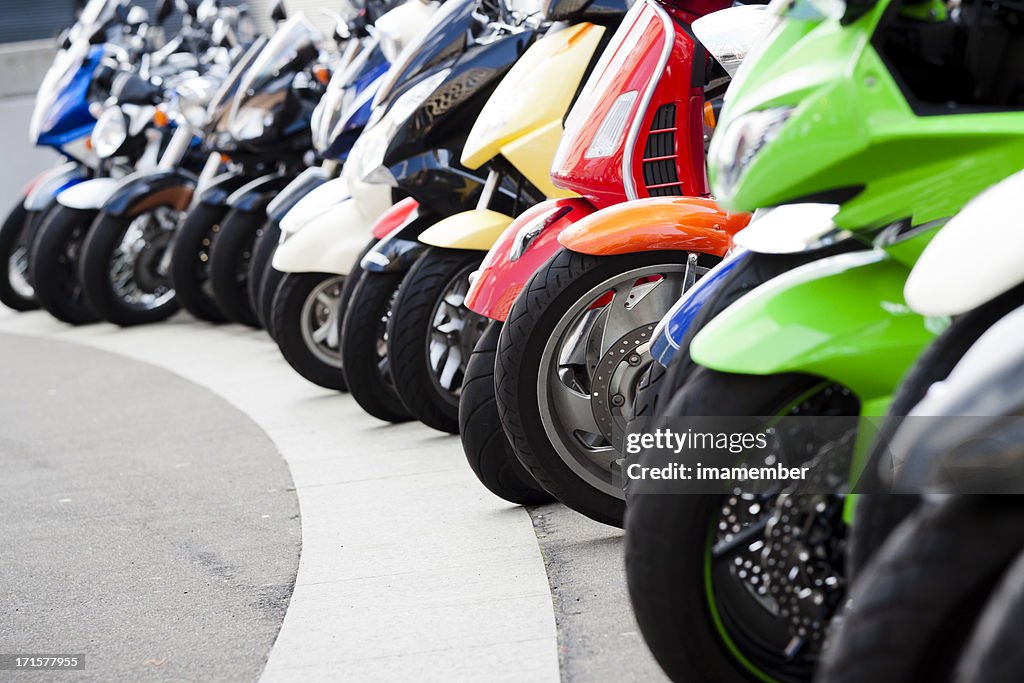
(898, 113)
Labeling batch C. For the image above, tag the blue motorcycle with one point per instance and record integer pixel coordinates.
(62, 120)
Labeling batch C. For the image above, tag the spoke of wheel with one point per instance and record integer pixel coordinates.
(452, 364)
(573, 408)
(326, 299)
(652, 304)
(724, 549)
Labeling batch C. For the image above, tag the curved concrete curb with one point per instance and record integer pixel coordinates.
(409, 568)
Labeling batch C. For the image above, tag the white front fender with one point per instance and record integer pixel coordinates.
(91, 194)
(945, 282)
(314, 204)
(330, 243)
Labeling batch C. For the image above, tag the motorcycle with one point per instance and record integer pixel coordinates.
(832, 337)
(128, 140)
(431, 333)
(61, 120)
(558, 403)
(421, 114)
(342, 115)
(955, 445)
(260, 125)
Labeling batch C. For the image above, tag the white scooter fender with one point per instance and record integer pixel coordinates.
(327, 230)
(940, 285)
(332, 242)
(90, 194)
(315, 203)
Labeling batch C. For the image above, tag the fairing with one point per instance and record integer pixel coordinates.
(394, 217)
(522, 120)
(659, 151)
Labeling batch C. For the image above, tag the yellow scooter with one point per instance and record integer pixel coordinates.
(431, 334)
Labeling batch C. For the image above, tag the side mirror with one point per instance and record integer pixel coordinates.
(278, 13)
(163, 10)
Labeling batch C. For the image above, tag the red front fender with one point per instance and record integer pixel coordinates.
(656, 224)
(534, 235)
(394, 217)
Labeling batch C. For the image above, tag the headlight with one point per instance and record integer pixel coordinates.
(110, 133)
(734, 148)
(609, 133)
(371, 147)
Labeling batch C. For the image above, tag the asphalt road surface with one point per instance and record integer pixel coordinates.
(148, 524)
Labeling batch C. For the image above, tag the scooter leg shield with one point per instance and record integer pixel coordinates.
(842, 318)
(657, 224)
(522, 248)
(330, 243)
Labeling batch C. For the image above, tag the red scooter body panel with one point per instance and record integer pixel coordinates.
(646, 76)
(394, 217)
(499, 280)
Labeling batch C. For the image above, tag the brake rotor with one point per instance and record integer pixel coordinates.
(616, 377)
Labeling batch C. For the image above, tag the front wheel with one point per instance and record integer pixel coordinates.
(912, 609)
(570, 358)
(364, 340)
(260, 269)
(740, 587)
(125, 266)
(53, 261)
(305, 323)
(190, 261)
(229, 265)
(431, 335)
(487, 449)
(15, 290)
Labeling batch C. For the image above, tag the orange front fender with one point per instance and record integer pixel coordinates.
(656, 224)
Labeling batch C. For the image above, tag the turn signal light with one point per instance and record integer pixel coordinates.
(322, 74)
(160, 118)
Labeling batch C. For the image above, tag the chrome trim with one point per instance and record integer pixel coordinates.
(628, 181)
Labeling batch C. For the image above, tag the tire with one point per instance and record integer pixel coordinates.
(15, 290)
(295, 302)
(993, 654)
(693, 610)
(546, 303)
(879, 514)
(100, 256)
(914, 606)
(230, 256)
(259, 268)
(364, 325)
(427, 394)
(487, 449)
(53, 261)
(190, 261)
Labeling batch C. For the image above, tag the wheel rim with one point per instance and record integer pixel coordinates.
(454, 332)
(138, 272)
(319, 320)
(17, 272)
(592, 363)
(774, 562)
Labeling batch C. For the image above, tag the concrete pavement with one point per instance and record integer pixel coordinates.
(409, 568)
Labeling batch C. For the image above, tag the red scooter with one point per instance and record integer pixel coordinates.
(557, 369)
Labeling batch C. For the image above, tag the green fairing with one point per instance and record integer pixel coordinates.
(852, 127)
(842, 318)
